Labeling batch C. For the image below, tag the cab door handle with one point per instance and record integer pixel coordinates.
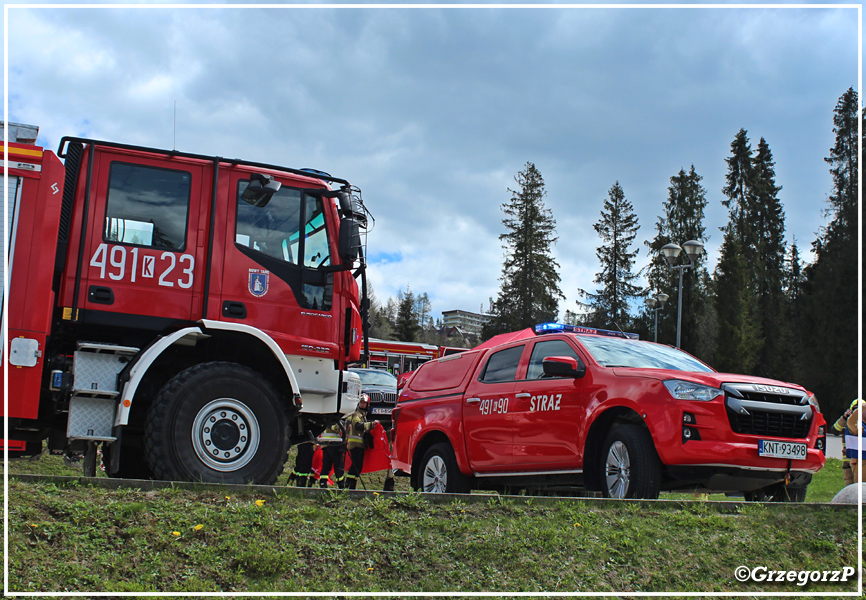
(472, 400)
(523, 395)
(234, 310)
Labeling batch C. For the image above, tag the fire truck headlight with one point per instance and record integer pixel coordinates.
(814, 402)
(686, 390)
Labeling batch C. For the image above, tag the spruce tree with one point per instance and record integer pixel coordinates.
(830, 294)
(609, 305)
(767, 242)
(529, 291)
(683, 220)
(407, 328)
(738, 342)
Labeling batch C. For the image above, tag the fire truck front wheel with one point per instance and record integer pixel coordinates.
(217, 422)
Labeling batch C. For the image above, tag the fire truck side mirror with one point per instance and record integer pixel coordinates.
(350, 240)
(260, 190)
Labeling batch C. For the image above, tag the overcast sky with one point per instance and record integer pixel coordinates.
(433, 111)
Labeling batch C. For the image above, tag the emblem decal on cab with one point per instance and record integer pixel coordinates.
(259, 282)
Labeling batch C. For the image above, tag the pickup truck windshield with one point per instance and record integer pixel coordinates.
(618, 352)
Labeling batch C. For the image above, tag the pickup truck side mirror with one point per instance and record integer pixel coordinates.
(563, 366)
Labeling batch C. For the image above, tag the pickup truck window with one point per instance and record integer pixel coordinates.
(543, 350)
(617, 352)
(502, 366)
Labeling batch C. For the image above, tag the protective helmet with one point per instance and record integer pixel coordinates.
(855, 403)
(365, 400)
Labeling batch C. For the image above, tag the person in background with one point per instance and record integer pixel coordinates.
(356, 426)
(853, 426)
(302, 475)
(840, 425)
(333, 448)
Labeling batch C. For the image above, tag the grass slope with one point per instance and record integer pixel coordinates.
(78, 538)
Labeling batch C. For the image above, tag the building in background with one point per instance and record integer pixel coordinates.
(468, 322)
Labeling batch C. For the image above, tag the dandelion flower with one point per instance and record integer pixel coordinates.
(198, 527)
(228, 497)
(577, 524)
(370, 569)
(260, 502)
(375, 493)
(175, 533)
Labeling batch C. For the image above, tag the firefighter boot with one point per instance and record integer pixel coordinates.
(351, 483)
(389, 485)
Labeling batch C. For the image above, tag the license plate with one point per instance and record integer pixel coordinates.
(382, 411)
(776, 449)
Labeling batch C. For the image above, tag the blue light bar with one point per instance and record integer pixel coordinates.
(543, 328)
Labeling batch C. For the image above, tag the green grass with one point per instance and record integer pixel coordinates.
(73, 537)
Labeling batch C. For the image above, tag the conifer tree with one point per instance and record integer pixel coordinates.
(407, 328)
(739, 340)
(767, 239)
(609, 305)
(682, 220)
(830, 294)
(529, 291)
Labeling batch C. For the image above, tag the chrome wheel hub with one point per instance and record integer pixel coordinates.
(225, 434)
(435, 476)
(616, 471)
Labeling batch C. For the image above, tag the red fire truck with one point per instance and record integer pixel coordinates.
(193, 314)
(404, 357)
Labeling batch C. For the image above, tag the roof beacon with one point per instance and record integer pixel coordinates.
(543, 328)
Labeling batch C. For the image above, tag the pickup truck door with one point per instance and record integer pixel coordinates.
(546, 412)
(486, 404)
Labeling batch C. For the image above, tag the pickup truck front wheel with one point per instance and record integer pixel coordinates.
(438, 473)
(630, 466)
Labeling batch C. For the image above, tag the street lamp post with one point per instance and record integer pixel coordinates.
(693, 249)
(655, 304)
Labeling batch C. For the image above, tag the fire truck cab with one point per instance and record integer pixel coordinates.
(193, 314)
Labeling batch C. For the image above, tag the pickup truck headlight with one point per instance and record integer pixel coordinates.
(686, 390)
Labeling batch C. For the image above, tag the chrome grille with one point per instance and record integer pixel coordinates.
(768, 411)
(382, 397)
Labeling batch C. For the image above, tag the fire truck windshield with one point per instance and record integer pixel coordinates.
(619, 352)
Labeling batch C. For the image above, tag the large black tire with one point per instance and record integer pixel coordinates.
(217, 422)
(629, 464)
(437, 473)
(778, 492)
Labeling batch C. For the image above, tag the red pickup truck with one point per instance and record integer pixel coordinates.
(578, 407)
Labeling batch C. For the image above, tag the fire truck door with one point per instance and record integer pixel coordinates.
(144, 255)
(486, 412)
(272, 278)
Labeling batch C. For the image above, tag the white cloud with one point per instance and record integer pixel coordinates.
(433, 111)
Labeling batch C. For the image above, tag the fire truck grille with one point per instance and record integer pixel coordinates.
(382, 398)
(767, 423)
